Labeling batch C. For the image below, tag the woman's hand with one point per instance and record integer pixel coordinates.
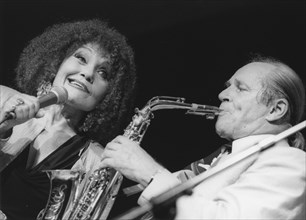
(21, 107)
(130, 159)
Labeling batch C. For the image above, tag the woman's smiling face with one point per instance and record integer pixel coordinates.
(84, 76)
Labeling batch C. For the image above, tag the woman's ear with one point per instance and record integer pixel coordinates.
(277, 110)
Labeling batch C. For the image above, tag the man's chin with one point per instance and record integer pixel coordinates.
(222, 132)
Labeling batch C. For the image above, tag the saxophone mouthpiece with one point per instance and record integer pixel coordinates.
(217, 111)
(205, 110)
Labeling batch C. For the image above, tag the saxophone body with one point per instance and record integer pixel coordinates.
(76, 195)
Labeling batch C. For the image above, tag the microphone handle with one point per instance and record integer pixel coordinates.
(49, 99)
(44, 101)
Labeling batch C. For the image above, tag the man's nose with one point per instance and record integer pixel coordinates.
(224, 95)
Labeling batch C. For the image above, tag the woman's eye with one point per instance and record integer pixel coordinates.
(103, 73)
(80, 57)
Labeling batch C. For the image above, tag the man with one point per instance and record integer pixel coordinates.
(263, 98)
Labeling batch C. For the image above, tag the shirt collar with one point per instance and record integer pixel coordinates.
(246, 142)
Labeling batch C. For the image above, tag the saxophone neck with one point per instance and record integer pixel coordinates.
(168, 102)
(141, 120)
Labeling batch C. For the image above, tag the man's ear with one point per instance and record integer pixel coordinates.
(277, 110)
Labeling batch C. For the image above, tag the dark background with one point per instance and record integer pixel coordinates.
(183, 49)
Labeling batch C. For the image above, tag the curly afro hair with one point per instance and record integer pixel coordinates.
(41, 59)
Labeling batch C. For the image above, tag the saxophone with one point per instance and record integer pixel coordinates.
(76, 195)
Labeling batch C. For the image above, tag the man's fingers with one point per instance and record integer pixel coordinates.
(110, 153)
(117, 139)
(114, 145)
(107, 162)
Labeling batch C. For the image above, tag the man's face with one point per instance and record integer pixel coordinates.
(242, 113)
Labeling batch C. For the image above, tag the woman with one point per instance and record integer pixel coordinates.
(95, 65)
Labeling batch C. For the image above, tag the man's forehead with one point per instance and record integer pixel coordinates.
(255, 70)
(252, 74)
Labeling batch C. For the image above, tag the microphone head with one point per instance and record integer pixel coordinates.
(61, 93)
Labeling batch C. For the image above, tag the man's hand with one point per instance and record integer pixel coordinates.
(130, 159)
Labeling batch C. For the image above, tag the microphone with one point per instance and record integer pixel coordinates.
(57, 95)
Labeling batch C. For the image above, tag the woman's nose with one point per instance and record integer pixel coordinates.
(88, 75)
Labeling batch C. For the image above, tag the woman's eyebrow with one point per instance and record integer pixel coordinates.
(87, 48)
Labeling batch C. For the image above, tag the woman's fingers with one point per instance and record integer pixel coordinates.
(22, 107)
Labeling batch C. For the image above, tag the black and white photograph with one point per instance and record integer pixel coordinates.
(152, 109)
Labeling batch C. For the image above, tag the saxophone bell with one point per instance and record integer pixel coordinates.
(64, 186)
